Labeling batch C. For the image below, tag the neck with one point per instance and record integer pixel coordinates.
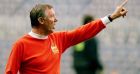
(39, 31)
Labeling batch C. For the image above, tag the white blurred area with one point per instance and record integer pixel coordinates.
(119, 42)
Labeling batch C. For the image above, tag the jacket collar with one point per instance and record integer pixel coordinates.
(35, 35)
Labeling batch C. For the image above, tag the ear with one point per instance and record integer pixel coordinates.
(41, 20)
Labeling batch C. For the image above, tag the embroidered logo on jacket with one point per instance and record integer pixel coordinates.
(54, 48)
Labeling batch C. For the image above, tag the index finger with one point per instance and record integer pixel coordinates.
(123, 3)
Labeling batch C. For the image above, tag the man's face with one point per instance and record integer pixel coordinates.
(49, 20)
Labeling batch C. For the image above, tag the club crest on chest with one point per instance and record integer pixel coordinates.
(54, 48)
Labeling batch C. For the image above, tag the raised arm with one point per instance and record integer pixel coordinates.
(89, 30)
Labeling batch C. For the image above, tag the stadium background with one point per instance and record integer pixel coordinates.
(119, 42)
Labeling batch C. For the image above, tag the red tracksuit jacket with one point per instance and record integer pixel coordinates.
(30, 55)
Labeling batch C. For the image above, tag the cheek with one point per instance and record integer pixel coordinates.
(50, 21)
(47, 22)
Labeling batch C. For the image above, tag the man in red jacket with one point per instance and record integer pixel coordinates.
(39, 51)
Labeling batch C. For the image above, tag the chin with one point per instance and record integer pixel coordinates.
(51, 31)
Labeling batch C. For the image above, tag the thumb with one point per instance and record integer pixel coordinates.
(123, 12)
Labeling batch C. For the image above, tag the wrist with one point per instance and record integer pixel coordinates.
(110, 18)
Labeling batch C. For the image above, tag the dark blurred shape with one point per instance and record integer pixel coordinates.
(85, 55)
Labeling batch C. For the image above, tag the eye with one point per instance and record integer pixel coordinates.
(52, 15)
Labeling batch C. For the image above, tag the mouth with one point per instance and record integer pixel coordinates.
(53, 27)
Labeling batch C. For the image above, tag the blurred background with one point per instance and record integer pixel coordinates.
(119, 43)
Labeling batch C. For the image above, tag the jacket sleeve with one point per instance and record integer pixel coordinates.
(82, 33)
(14, 60)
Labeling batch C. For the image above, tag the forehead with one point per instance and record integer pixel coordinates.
(49, 11)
